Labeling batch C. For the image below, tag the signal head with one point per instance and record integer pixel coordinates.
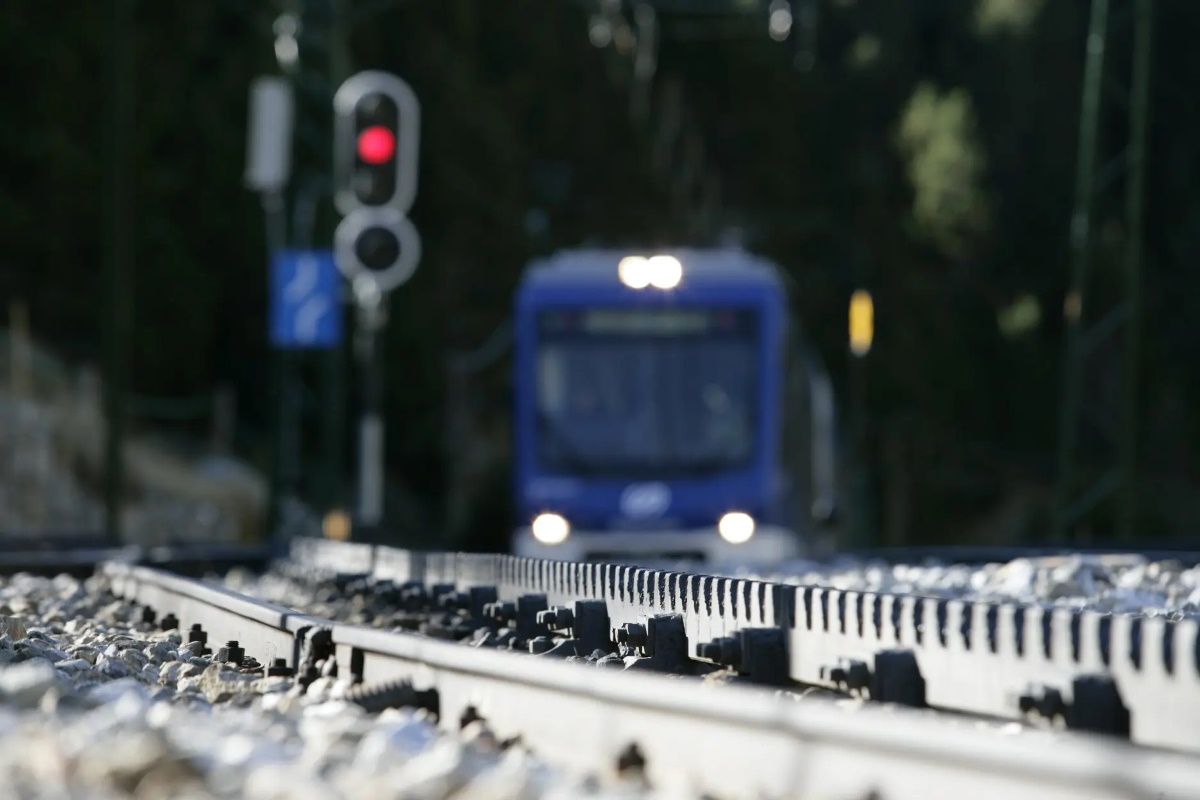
(376, 129)
(376, 120)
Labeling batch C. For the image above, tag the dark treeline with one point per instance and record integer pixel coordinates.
(929, 155)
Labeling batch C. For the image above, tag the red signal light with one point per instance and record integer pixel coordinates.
(376, 145)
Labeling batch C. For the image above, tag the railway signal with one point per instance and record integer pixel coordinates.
(376, 143)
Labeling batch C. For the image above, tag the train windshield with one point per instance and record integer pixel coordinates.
(654, 392)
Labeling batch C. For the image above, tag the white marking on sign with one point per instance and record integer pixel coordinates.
(303, 282)
(308, 316)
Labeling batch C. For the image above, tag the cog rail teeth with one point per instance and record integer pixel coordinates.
(1125, 675)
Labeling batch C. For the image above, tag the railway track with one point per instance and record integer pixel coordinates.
(752, 739)
(1133, 676)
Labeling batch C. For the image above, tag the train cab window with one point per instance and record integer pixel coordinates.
(666, 391)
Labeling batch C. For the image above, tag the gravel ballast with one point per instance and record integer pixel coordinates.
(1120, 584)
(95, 703)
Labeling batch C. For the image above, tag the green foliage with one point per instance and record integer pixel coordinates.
(1020, 318)
(945, 165)
(1003, 16)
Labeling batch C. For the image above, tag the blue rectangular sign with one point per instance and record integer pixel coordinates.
(305, 305)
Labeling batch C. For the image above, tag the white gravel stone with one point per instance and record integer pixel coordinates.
(23, 684)
(161, 652)
(1118, 584)
(74, 665)
(122, 710)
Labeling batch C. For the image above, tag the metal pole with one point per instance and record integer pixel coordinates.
(1139, 115)
(861, 527)
(120, 254)
(339, 53)
(1075, 306)
(333, 366)
(290, 412)
(371, 425)
(274, 215)
(304, 213)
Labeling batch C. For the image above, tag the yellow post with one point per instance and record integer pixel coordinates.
(862, 331)
(862, 322)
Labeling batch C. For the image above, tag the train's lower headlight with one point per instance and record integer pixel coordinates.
(736, 527)
(550, 529)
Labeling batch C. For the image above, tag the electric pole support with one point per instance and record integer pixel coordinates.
(1080, 491)
(119, 256)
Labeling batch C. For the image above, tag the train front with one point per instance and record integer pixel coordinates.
(646, 401)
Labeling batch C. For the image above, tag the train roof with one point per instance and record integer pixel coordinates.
(700, 266)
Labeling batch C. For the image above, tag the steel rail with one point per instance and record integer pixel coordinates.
(1135, 677)
(729, 741)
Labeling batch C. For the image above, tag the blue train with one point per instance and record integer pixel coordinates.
(667, 407)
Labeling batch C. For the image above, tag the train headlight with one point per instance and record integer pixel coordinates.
(736, 527)
(661, 272)
(550, 529)
(665, 272)
(634, 272)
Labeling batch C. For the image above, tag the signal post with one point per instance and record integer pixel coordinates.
(862, 333)
(376, 246)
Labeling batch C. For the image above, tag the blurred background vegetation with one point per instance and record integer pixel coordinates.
(928, 154)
